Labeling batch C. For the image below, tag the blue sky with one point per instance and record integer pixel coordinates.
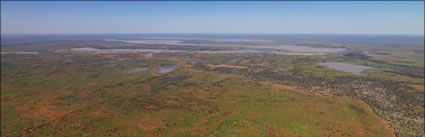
(355, 17)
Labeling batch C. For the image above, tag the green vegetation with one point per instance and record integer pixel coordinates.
(89, 97)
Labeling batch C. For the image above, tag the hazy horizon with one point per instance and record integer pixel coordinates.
(284, 17)
(207, 33)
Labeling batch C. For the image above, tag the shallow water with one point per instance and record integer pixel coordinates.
(151, 51)
(85, 49)
(353, 68)
(138, 70)
(280, 69)
(21, 52)
(169, 42)
(165, 70)
(310, 49)
(250, 49)
(173, 78)
(244, 40)
(291, 48)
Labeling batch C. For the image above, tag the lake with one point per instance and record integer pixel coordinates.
(265, 44)
(165, 70)
(151, 51)
(280, 69)
(353, 68)
(68, 61)
(23, 52)
(138, 70)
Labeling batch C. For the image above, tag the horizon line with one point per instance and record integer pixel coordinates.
(240, 33)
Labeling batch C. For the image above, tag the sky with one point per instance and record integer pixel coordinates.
(347, 17)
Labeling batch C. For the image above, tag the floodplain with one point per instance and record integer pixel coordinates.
(209, 87)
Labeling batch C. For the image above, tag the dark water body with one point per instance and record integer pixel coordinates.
(68, 61)
(173, 78)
